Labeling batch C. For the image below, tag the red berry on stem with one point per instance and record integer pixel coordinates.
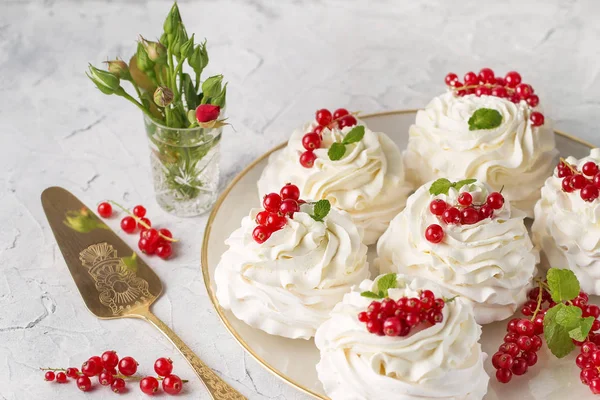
(499, 91)
(510, 348)
(104, 210)
(471, 78)
(451, 79)
(172, 384)
(587, 375)
(530, 358)
(533, 100)
(91, 368)
(339, 113)
(412, 319)
(110, 359)
(139, 211)
(589, 193)
(146, 222)
(392, 326)
(590, 168)
(84, 383)
(49, 376)
(525, 327)
(523, 90)
(597, 180)
(323, 117)
(512, 325)
(61, 377)
(536, 118)
(505, 361)
(72, 372)
(128, 366)
(290, 191)
(588, 348)
(118, 385)
(451, 216)
(496, 358)
(311, 141)
(593, 310)
(512, 79)
(289, 207)
(485, 211)
(469, 216)
(149, 385)
(260, 234)
(164, 251)
(503, 375)
(318, 130)
(261, 218)
(495, 200)
(486, 75)
(519, 366)
(128, 224)
(362, 316)
(375, 306)
(163, 366)
(524, 342)
(482, 91)
(437, 207)
(271, 202)
(374, 326)
(500, 81)
(581, 361)
(434, 233)
(276, 221)
(307, 159)
(106, 378)
(348, 120)
(465, 199)
(567, 184)
(578, 181)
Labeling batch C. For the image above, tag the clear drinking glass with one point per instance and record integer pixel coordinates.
(185, 167)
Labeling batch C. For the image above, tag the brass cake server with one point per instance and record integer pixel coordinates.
(112, 280)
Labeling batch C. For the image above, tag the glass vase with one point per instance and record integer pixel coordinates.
(185, 167)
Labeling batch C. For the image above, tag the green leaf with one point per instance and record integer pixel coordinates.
(563, 284)
(212, 86)
(355, 135)
(557, 336)
(131, 262)
(191, 98)
(568, 317)
(321, 209)
(388, 281)
(440, 186)
(581, 332)
(485, 118)
(371, 295)
(336, 151)
(459, 184)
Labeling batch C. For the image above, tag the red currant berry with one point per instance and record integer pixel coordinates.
(276, 221)
(471, 79)
(538, 324)
(519, 366)
(261, 218)
(512, 325)
(289, 207)
(589, 193)
(290, 191)
(261, 233)
(495, 200)
(427, 294)
(595, 358)
(593, 310)
(536, 118)
(149, 385)
(318, 130)
(363, 317)
(595, 385)
(581, 361)
(323, 117)
(500, 81)
(503, 375)
(84, 383)
(91, 368)
(524, 342)
(427, 303)
(104, 210)
(525, 327)
(392, 326)
(530, 358)
(348, 120)
(486, 75)
(514, 98)
(595, 326)
(567, 184)
(139, 211)
(437, 207)
(412, 319)
(505, 361)
(374, 326)
(590, 168)
(451, 216)
(511, 337)
(451, 79)
(118, 385)
(509, 348)
(587, 348)
(496, 358)
(61, 377)
(339, 113)
(413, 305)
(72, 372)
(533, 100)
(311, 141)
(166, 233)
(439, 304)
(523, 90)
(499, 91)
(271, 202)
(587, 375)
(578, 181)
(307, 159)
(375, 306)
(434, 316)
(128, 224)
(128, 366)
(465, 199)
(144, 223)
(388, 306)
(485, 211)
(110, 359)
(172, 384)
(512, 79)
(434, 233)
(49, 376)
(596, 180)
(482, 91)
(106, 378)
(469, 216)
(164, 251)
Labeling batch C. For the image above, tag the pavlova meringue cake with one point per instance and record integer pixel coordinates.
(438, 358)
(567, 220)
(338, 158)
(465, 238)
(284, 272)
(487, 128)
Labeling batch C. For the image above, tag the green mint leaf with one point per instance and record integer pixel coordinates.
(370, 295)
(581, 332)
(563, 284)
(130, 262)
(485, 118)
(557, 336)
(386, 282)
(355, 135)
(336, 151)
(321, 209)
(569, 317)
(459, 184)
(440, 186)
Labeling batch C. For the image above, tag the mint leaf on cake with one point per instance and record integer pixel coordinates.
(485, 118)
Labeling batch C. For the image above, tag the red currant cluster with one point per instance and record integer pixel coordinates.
(465, 213)
(278, 207)
(487, 84)
(397, 318)
(105, 368)
(587, 181)
(340, 119)
(152, 241)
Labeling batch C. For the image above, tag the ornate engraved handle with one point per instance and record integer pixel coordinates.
(217, 387)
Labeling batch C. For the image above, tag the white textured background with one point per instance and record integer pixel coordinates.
(283, 60)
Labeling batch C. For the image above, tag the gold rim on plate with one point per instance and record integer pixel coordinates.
(212, 216)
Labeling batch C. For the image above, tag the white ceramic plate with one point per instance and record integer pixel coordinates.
(294, 360)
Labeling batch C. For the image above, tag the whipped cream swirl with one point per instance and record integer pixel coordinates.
(443, 361)
(490, 263)
(442, 146)
(289, 284)
(368, 182)
(567, 228)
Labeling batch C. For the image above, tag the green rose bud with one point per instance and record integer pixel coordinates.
(156, 51)
(187, 48)
(164, 39)
(119, 68)
(199, 58)
(104, 80)
(173, 20)
(219, 100)
(178, 40)
(163, 96)
(212, 86)
(144, 63)
(191, 116)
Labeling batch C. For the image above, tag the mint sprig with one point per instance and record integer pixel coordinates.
(338, 149)
(485, 118)
(564, 322)
(386, 282)
(443, 185)
(320, 210)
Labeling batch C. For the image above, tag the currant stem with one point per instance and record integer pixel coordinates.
(562, 160)
(539, 300)
(54, 369)
(139, 221)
